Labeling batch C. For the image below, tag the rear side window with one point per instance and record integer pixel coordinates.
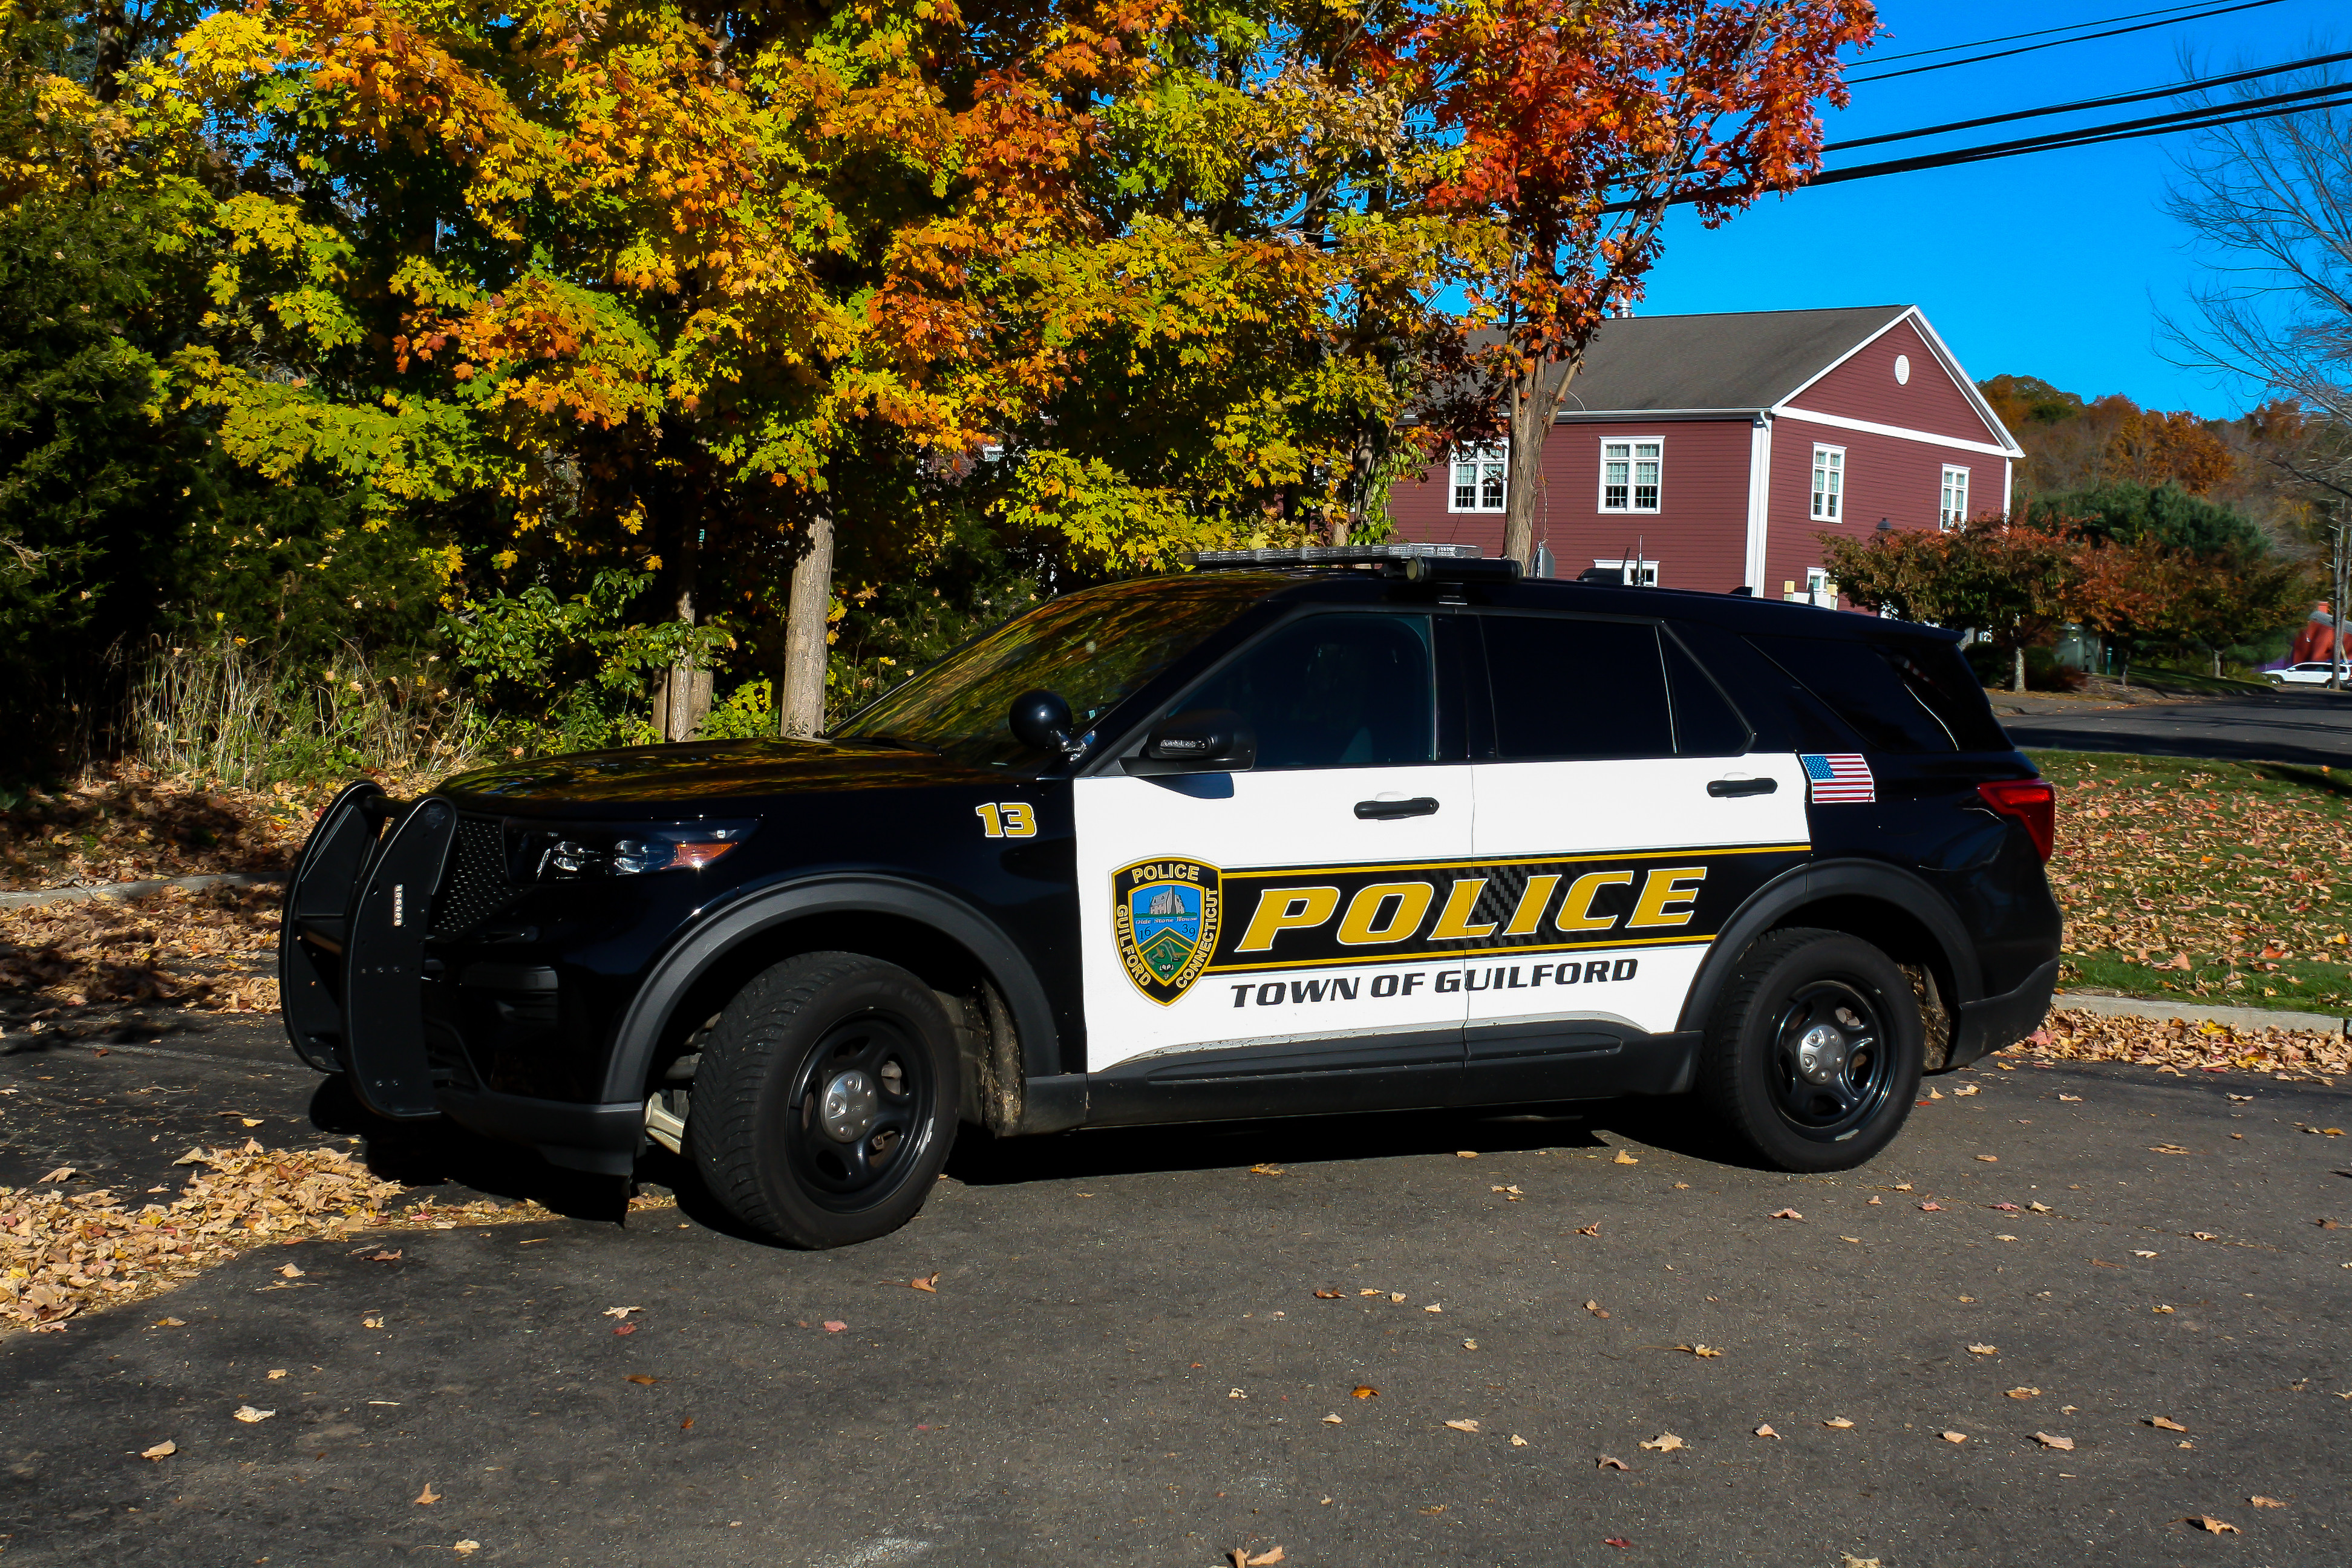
(1941, 679)
(1568, 688)
(1705, 723)
(1889, 692)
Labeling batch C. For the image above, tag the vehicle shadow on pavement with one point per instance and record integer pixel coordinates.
(981, 1160)
(438, 1154)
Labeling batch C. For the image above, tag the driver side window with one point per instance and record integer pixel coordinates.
(1345, 691)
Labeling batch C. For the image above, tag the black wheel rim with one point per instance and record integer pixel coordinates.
(1832, 1065)
(860, 1112)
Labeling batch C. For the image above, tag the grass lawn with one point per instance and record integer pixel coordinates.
(2206, 880)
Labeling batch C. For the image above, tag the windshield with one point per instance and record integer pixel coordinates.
(1094, 648)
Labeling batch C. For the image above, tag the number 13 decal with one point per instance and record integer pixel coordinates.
(1007, 819)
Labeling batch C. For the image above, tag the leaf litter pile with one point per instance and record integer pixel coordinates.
(129, 824)
(60, 1255)
(2206, 880)
(2179, 1046)
(212, 948)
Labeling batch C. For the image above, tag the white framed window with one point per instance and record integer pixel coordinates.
(1953, 509)
(1638, 574)
(1629, 475)
(1828, 483)
(1480, 476)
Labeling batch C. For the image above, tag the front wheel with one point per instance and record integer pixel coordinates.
(825, 1103)
(1814, 1053)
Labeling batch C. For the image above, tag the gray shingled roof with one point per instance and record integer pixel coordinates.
(1743, 358)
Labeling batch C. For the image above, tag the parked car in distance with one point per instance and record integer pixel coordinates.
(2310, 672)
(1357, 828)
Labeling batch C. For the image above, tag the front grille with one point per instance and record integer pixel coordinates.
(475, 887)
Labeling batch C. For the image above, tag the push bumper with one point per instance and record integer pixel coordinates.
(599, 1138)
(1992, 1022)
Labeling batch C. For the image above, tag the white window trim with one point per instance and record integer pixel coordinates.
(1812, 501)
(1485, 451)
(1643, 573)
(1600, 484)
(1946, 519)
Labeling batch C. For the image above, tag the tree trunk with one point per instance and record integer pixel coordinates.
(2017, 669)
(683, 701)
(113, 56)
(801, 705)
(1535, 397)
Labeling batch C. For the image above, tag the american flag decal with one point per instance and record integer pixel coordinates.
(1839, 778)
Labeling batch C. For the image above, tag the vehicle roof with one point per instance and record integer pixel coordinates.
(1733, 612)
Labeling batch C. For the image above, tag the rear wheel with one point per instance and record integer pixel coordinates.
(825, 1101)
(1814, 1053)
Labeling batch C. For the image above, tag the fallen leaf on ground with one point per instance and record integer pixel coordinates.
(1931, 1206)
(2139, 1254)
(1332, 1421)
(1592, 1229)
(169, 1323)
(1266, 1170)
(1469, 1344)
(624, 1329)
(1463, 1425)
(276, 1373)
(1365, 1391)
(1665, 1443)
(1953, 1437)
(291, 1272)
(1326, 1295)
(428, 1497)
(1397, 1297)
(381, 1257)
(640, 1377)
(835, 1325)
(1465, 1153)
(248, 1414)
(2005, 1238)
(1965, 1091)
(2257, 1499)
(2205, 1235)
(929, 1283)
(1984, 1349)
(62, 1173)
(1594, 1308)
(621, 1311)
(1611, 1462)
(1518, 1441)
(1766, 1431)
(1432, 1307)
(1615, 1540)
(166, 1448)
(1703, 1353)
(1855, 1239)
(1874, 1201)
(1840, 1422)
(1372, 1292)
(1851, 1561)
(1236, 1393)
(2076, 1097)
(1786, 1213)
(1990, 1159)
(2040, 1207)
(2166, 1425)
(1263, 1559)
(466, 1548)
(371, 1322)
(2066, 1445)
(1625, 1159)
(2211, 1526)
(2022, 1393)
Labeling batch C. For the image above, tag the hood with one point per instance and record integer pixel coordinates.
(700, 773)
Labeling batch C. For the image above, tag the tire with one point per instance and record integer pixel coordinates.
(825, 1103)
(1828, 1110)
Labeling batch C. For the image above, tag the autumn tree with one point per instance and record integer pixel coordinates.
(2009, 581)
(1575, 126)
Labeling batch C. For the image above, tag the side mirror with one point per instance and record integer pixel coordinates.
(1206, 740)
(1041, 721)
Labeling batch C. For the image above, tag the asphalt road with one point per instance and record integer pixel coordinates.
(1125, 1361)
(2312, 727)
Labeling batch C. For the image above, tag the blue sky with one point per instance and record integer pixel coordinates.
(2054, 264)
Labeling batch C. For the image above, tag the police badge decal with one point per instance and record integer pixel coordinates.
(1165, 913)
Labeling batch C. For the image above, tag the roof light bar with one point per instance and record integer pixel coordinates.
(1416, 562)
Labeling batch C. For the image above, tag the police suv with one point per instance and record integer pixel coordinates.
(1301, 832)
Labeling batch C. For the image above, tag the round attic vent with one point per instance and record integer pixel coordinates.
(1902, 370)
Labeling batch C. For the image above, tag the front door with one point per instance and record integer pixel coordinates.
(1625, 820)
(1263, 935)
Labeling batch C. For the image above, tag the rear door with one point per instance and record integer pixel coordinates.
(1623, 817)
(1268, 923)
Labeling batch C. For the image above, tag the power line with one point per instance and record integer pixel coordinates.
(2037, 32)
(2309, 100)
(2114, 100)
(2079, 39)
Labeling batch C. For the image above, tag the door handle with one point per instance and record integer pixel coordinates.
(1720, 788)
(1382, 810)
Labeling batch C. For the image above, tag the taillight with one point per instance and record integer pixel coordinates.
(2029, 801)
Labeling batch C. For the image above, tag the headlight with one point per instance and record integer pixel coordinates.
(633, 851)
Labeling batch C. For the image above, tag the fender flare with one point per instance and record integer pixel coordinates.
(706, 944)
(1803, 885)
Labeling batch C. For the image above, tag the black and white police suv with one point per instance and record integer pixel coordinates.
(1302, 832)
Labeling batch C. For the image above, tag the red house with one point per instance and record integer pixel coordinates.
(1711, 452)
